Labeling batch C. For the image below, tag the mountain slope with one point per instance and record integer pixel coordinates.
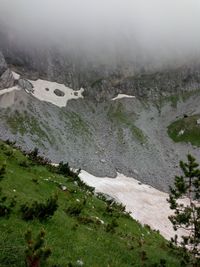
(90, 130)
(85, 237)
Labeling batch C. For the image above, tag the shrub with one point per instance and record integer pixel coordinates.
(36, 158)
(64, 169)
(34, 154)
(75, 209)
(89, 220)
(24, 163)
(6, 205)
(110, 227)
(2, 171)
(115, 209)
(86, 220)
(36, 253)
(41, 211)
(35, 180)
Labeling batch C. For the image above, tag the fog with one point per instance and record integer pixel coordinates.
(145, 31)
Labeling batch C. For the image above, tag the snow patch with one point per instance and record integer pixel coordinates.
(15, 75)
(146, 204)
(119, 96)
(44, 91)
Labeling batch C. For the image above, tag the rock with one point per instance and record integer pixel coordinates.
(79, 263)
(103, 161)
(198, 122)
(59, 92)
(7, 79)
(26, 85)
(63, 187)
(3, 64)
(181, 132)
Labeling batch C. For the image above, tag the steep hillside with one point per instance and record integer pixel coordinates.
(84, 230)
(92, 128)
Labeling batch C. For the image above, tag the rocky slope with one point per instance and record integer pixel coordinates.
(98, 134)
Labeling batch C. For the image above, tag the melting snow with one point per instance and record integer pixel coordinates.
(146, 204)
(119, 96)
(44, 91)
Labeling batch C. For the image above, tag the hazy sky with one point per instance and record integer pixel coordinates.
(143, 30)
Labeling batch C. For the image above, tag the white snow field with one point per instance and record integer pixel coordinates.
(146, 204)
(119, 96)
(44, 91)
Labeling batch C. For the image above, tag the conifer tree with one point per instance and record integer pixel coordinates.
(2, 171)
(187, 216)
(36, 253)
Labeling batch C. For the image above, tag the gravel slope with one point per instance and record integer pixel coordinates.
(104, 138)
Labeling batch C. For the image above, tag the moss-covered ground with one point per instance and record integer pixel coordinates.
(185, 130)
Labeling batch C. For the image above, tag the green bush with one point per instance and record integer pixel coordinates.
(24, 163)
(74, 209)
(6, 205)
(2, 171)
(41, 211)
(110, 227)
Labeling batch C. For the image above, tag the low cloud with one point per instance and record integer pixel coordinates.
(142, 31)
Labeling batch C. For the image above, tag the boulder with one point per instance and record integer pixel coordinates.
(59, 92)
(7, 79)
(26, 85)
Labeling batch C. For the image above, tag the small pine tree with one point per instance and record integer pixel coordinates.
(187, 217)
(6, 204)
(2, 171)
(40, 210)
(35, 252)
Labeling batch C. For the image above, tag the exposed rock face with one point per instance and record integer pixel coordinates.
(7, 80)
(97, 134)
(59, 92)
(3, 65)
(101, 82)
(6, 77)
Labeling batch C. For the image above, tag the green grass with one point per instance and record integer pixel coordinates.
(69, 239)
(120, 118)
(189, 126)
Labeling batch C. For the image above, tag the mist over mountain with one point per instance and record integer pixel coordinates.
(145, 32)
